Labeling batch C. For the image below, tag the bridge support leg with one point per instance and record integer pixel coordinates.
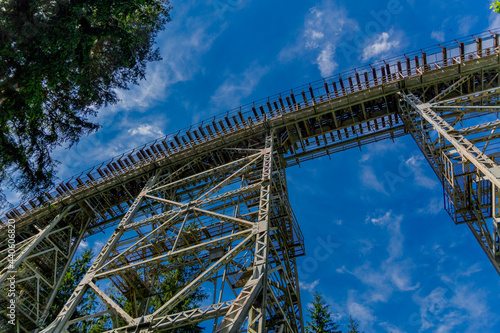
(471, 179)
(229, 227)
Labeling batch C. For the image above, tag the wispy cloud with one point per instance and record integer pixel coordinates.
(381, 220)
(381, 45)
(380, 148)
(337, 222)
(415, 163)
(325, 61)
(450, 306)
(308, 286)
(380, 282)
(237, 87)
(370, 179)
(438, 35)
(388, 327)
(358, 311)
(97, 147)
(393, 224)
(97, 246)
(146, 130)
(465, 24)
(84, 244)
(324, 27)
(434, 206)
(183, 43)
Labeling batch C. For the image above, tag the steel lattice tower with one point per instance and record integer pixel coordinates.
(213, 199)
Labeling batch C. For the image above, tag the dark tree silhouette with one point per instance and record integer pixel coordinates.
(60, 61)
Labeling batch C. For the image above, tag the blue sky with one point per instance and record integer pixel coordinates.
(381, 251)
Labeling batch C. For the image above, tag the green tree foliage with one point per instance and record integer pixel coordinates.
(353, 326)
(60, 61)
(71, 279)
(495, 6)
(321, 321)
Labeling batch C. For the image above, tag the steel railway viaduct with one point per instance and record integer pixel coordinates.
(214, 197)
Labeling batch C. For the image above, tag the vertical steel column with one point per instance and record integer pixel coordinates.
(261, 263)
(253, 298)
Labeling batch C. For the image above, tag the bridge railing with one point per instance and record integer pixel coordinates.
(337, 86)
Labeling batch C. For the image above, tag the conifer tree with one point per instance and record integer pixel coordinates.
(60, 62)
(353, 326)
(321, 321)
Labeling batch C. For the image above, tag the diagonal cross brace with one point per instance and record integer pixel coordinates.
(35, 241)
(238, 311)
(62, 321)
(198, 281)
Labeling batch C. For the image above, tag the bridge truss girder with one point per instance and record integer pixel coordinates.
(317, 121)
(231, 226)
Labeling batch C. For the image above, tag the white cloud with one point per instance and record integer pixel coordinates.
(476, 268)
(361, 313)
(393, 225)
(434, 206)
(325, 25)
(395, 247)
(96, 248)
(84, 244)
(365, 157)
(454, 304)
(380, 45)
(390, 328)
(365, 246)
(381, 282)
(325, 61)
(12, 199)
(183, 43)
(147, 130)
(99, 146)
(393, 273)
(236, 87)
(400, 278)
(438, 35)
(308, 286)
(342, 270)
(443, 309)
(414, 163)
(382, 220)
(380, 148)
(370, 180)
